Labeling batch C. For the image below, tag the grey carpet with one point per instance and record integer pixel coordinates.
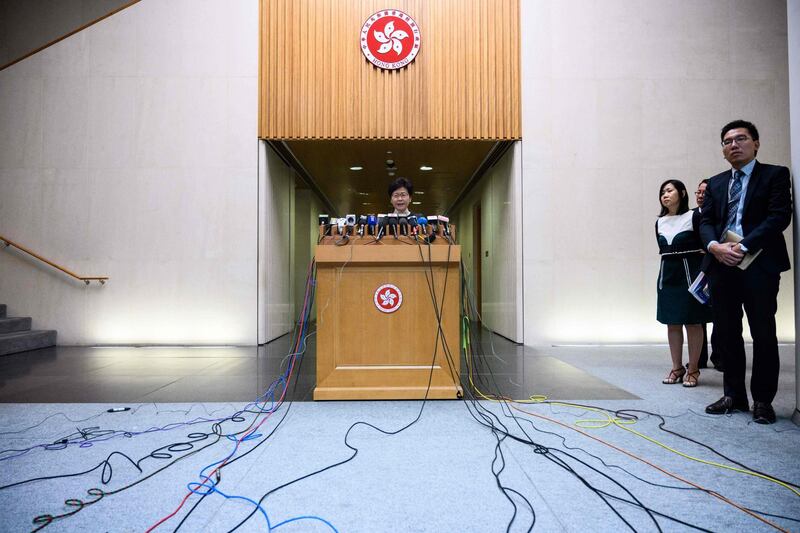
(434, 476)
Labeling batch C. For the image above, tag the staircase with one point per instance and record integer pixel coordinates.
(16, 334)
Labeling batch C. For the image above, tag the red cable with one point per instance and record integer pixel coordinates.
(238, 442)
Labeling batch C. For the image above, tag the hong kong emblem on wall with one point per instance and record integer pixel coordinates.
(388, 298)
(390, 39)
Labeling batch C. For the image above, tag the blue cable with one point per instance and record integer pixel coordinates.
(308, 517)
(213, 488)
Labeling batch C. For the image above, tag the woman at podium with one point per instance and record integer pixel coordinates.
(400, 191)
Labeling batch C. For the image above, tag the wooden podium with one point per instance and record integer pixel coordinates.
(365, 353)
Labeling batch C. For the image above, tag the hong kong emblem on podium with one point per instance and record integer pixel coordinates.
(388, 298)
(390, 39)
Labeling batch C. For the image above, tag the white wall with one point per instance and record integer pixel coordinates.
(129, 150)
(307, 210)
(618, 96)
(498, 194)
(276, 244)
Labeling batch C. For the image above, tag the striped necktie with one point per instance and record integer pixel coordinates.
(733, 199)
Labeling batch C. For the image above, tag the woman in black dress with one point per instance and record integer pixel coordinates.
(681, 256)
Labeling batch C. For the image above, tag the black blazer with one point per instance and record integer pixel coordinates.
(767, 212)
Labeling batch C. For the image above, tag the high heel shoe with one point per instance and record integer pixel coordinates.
(691, 379)
(675, 376)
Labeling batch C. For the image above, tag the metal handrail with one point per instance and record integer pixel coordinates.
(85, 279)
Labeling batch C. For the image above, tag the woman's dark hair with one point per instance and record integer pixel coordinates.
(399, 183)
(681, 188)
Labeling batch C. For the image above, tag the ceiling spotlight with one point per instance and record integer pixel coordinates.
(416, 203)
(356, 167)
(366, 203)
(425, 167)
(362, 193)
(391, 174)
(390, 162)
(419, 192)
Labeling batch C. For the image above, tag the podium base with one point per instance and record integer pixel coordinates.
(387, 393)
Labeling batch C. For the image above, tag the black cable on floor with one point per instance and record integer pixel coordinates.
(358, 423)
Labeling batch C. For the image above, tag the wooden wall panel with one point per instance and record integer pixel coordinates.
(316, 84)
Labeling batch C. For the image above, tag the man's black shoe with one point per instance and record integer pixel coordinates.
(726, 405)
(763, 413)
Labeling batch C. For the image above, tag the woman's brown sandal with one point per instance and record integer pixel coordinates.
(675, 376)
(691, 379)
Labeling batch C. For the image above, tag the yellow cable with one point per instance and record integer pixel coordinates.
(622, 423)
(660, 469)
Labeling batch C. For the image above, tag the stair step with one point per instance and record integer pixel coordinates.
(15, 324)
(2, 310)
(26, 340)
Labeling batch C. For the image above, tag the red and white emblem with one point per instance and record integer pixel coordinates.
(390, 39)
(388, 298)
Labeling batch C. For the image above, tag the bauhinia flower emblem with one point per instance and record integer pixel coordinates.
(387, 298)
(390, 38)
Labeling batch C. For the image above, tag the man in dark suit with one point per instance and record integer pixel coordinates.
(754, 201)
(716, 358)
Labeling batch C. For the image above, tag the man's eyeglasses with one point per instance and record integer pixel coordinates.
(739, 139)
(399, 195)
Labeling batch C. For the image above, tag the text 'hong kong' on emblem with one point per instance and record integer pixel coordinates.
(390, 39)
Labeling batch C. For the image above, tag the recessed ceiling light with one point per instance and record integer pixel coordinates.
(416, 203)
(362, 193)
(356, 167)
(425, 167)
(391, 174)
(366, 203)
(419, 192)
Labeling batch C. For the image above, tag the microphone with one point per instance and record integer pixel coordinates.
(446, 223)
(381, 226)
(434, 222)
(362, 223)
(391, 221)
(403, 225)
(324, 221)
(429, 237)
(350, 222)
(423, 224)
(372, 221)
(412, 222)
(340, 225)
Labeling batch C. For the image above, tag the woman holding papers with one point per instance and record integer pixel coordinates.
(681, 256)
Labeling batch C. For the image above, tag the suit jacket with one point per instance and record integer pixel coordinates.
(767, 212)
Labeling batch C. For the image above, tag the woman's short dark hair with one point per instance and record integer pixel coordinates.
(399, 183)
(681, 188)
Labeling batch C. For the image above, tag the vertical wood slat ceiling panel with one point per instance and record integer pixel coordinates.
(316, 84)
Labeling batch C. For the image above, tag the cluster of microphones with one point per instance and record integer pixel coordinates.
(382, 225)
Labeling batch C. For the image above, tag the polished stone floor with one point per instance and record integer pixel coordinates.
(235, 374)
